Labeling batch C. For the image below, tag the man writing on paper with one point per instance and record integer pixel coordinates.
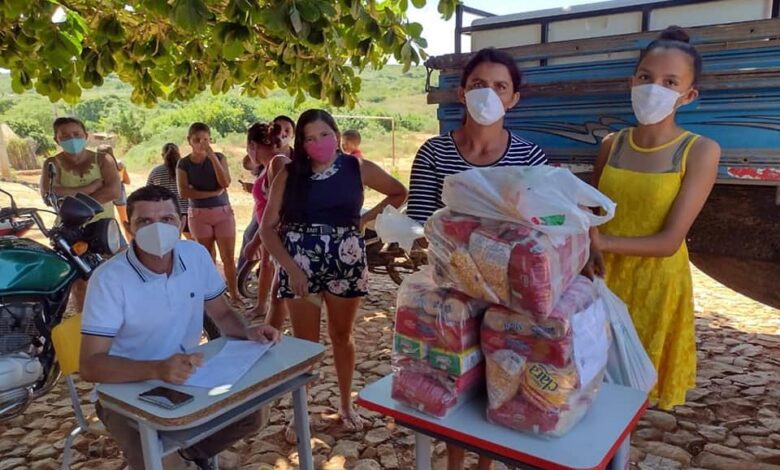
(144, 306)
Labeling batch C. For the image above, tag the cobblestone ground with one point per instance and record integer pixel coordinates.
(731, 420)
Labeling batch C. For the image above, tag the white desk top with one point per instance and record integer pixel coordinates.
(590, 444)
(288, 359)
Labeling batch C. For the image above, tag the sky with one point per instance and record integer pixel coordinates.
(441, 34)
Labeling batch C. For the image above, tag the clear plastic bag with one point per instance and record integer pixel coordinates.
(393, 226)
(503, 263)
(443, 318)
(536, 384)
(433, 391)
(437, 360)
(628, 363)
(552, 200)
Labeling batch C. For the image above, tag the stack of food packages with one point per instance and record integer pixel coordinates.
(437, 360)
(545, 340)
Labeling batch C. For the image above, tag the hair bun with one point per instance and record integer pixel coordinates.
(674, 33)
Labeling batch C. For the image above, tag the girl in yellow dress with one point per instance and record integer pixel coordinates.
(660, 175)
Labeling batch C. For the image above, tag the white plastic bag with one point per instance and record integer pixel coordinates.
(628, 362)
(552, 200)
(393, 226)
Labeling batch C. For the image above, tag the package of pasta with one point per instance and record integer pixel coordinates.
(433, 391)
(443, 318)
(544, 386)
(504, 263)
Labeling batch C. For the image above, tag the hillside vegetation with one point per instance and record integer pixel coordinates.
(142, 131)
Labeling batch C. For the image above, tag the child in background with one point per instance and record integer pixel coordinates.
(350, 143)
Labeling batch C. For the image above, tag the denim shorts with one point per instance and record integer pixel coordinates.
(334, 259)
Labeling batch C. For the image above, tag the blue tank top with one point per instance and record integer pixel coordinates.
(335, 196)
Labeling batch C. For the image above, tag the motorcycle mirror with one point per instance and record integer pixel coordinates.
(13, 202)
(75, 212)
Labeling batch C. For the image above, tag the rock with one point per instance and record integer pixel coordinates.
(737, 422)
(367, 464)
(661, 420)
(729, 452)
(48, 464)
(229, 460)
(388, 459)
(346, 448)
(754, 391)
(269, 458)
(327, 439)
(377, 436)
(318, 444)
(713, 433)
(17, 451)
(742, 362)
(668, 451)
(337, 462)
(6, 445)
(687, 425)
(686, 440)
(648, 434)
(43, 452)
(751, 430)
(32, 438)
(269, 431)
(12, 463)
(718, 462)
(773, 424)
(696, 394)
(655, 462)
(732, 441)
(383, 369)
(747, 350)
(751, 380)
(369, 453)
(756, 440)
(764, 454)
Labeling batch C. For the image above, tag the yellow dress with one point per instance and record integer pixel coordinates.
(658, 291)
(70, 179)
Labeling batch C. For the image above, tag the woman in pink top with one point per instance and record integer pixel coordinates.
(264, 146)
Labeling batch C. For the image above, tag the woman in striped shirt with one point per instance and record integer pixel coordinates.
(489, 86)
(165, 175)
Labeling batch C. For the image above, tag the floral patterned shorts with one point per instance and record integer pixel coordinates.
(334, 263)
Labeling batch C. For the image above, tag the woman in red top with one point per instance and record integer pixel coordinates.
(264, 145)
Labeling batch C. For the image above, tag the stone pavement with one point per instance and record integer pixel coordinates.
(731, 420)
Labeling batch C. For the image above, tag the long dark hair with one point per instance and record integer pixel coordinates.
(674, 37)
(299, 170)
(171, 156)
(496, 57)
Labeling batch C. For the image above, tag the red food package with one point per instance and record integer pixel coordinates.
(458, 227)
(557, 353)
(422, 392)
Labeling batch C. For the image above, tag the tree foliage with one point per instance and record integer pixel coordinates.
(32, 129)
(174, 49)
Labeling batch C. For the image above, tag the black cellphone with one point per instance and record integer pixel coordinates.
(166, 397)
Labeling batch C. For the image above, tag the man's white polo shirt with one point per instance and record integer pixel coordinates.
(151, 316)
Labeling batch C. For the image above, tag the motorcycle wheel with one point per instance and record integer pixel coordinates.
(394, 274)
(247, 279)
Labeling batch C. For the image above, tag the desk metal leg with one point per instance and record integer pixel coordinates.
(151, 446)
(422, 452)
(301, 415)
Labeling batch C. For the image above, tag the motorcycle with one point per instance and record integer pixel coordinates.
(382, 258)
(35, 284)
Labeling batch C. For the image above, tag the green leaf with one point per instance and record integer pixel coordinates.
(233, 49)
(190, 14)
(414, 29)
(418, 3)
(309, 11)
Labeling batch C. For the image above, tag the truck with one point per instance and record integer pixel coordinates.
(576, 63)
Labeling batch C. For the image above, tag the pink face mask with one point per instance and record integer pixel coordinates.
(322, 149)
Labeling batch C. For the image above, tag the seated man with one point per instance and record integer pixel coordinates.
(350, 143)
(144, 306)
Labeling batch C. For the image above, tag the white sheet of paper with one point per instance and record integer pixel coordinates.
(591, 342)
(228, 365)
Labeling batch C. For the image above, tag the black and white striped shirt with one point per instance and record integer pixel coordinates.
(439, 157)
(160, 177)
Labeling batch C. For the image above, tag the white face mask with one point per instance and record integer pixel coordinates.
(284, 142)
(653, 103)
(484, 106)
(157, 239)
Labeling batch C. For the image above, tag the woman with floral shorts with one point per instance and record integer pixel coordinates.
(311, 226)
